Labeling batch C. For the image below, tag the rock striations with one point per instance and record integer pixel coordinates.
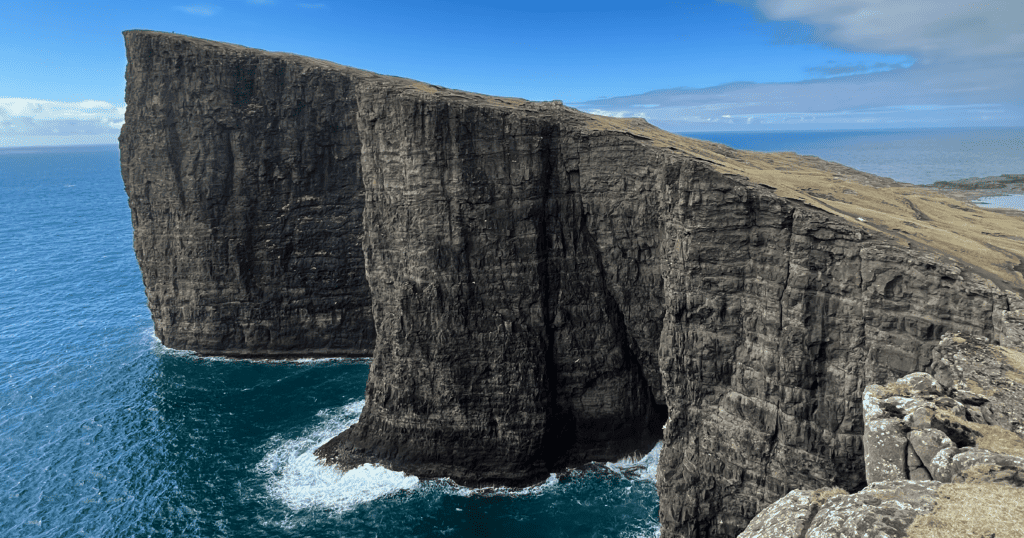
(542, 287)
(941, 460)
(247, 211)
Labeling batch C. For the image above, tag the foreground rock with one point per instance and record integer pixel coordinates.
(546, 286)
(936, 466)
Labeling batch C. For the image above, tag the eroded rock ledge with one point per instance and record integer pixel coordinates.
(540, 286)
(943, 458)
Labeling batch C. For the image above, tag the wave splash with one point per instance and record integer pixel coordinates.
(293, 477)
(297, 479)
(644, 468)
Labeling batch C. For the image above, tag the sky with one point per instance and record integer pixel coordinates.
(698, 66)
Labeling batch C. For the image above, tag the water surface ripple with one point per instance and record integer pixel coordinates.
(104, 432)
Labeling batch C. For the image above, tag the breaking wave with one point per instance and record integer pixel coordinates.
(297, 479)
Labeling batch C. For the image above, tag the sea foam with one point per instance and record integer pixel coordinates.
(297, 479)
(158, 348)
(644, 468)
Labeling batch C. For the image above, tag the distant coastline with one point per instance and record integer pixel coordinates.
(950, 158)
(975, 188)
(50, 149)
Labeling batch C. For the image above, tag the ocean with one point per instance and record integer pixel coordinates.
(918, 156)
(105, 432)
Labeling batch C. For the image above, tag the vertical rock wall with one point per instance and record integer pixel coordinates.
(243, 176)
(545, 286)
(484, 235)
(777, 317)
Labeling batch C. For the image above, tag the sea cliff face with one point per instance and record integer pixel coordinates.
(247, 211)
(546, 287)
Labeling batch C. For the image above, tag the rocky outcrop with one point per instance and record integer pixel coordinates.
(919, 428)
(941, 460)
(881, 510)
(546, 286)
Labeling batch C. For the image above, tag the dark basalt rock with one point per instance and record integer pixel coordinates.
(545, 286)
(246, 202)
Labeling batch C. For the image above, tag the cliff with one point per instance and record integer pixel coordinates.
(545, 286)
(941, 460)
(247, 211)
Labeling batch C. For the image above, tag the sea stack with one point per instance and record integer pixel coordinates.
(540, 287)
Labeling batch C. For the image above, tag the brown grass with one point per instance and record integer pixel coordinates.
(974, 387)
(894, 389)
(997, 439)
(973, 511)
(821, 495)
(991, 437)
(1014, 360)
(988, 241)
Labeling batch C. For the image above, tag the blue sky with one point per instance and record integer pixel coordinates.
(685, 66)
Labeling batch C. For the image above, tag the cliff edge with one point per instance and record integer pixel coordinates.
(943, 459)
(542, 287)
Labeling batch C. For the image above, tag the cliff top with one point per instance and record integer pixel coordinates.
(990, 242)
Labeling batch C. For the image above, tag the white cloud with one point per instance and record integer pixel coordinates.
(609, 113)
(955, 94)
(967, 70)
(204, 10)
(95, 120)
(927, 29)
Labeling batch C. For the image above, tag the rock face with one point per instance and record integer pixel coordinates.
(545, 286)
(516, 292)
(247, 211)
(932, 469)
(882, 510)
(920, 429)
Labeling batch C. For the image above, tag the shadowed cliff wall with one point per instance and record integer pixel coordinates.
(504, 345)
(246, 201)
(545, 284)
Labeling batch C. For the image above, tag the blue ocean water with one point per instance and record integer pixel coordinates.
(106, 433)
(917, 156)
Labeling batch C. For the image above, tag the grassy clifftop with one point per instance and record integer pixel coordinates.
(990, 241)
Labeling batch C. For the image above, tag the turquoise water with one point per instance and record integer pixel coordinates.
(1012, 201)
(104, 432)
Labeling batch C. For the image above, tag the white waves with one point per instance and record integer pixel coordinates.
(451, 488)
(297, 479)
(644, 468)
(158, 348)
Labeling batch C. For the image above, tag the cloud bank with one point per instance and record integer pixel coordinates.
(28, 121)
(935, 29)
(968, 71)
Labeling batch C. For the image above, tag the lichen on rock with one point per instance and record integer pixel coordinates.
(940, 488)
